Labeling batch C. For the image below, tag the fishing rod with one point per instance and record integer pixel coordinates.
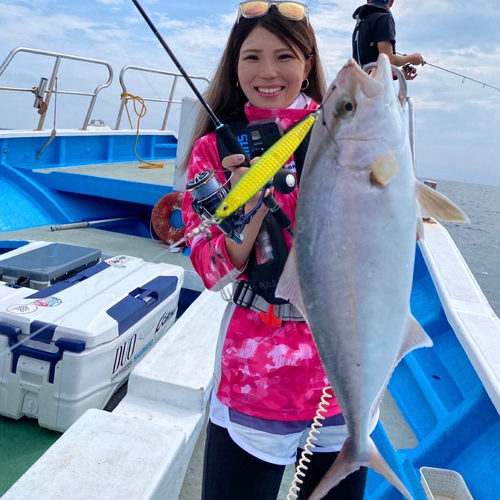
(222, 130)
(457, 74)
(90, 223)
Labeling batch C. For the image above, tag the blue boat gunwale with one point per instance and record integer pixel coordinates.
(47, 198)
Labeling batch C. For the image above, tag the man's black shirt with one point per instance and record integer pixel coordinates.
(374, 23)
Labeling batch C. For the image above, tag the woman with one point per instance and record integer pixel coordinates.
(269, 378)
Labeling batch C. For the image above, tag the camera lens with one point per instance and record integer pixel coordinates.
(271, 131)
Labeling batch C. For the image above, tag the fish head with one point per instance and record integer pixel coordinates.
(362, 116)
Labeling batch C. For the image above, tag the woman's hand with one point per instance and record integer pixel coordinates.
(239, 253)
(232, 163)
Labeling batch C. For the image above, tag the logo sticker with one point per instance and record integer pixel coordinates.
(22, 309)
(119, 261)
(48, 302)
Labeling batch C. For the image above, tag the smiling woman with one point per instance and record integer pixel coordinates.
(270, 72)
(259, 412)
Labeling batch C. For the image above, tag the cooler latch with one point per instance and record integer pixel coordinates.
(18, 349)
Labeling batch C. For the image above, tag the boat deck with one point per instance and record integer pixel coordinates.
(126, 171)
(124, 181)
(22, 443)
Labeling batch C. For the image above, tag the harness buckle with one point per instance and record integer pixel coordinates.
(243, 295)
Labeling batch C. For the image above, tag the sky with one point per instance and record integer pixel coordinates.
(457, 121)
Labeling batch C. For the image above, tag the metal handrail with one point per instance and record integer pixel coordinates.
(170, 99)
(412, 132)
(50, 88)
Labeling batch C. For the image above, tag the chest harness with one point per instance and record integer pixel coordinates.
(263, 274)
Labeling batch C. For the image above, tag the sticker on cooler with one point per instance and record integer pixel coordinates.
(119, 261)
(48, 302)
(22, 309)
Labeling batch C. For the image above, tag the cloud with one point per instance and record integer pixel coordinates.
(111, 2)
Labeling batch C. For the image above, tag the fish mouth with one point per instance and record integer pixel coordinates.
(352, 78)
(371, 85)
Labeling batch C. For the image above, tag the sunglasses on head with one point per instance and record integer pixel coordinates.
(291, 10)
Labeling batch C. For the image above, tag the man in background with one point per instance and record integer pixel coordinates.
(375, 33)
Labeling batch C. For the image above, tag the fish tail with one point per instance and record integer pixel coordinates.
(377, 463)
(349, 460)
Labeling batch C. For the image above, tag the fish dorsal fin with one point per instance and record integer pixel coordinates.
(289, 286)
(436, 205)
(415, 338)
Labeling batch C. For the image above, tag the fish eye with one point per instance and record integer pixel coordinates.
(347, 106)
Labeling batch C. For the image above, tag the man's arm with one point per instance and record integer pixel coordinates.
(385, 47)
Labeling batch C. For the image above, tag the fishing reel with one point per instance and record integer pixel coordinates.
(208, 194)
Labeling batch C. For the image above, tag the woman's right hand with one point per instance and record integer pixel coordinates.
(233, 164)
(239, 252)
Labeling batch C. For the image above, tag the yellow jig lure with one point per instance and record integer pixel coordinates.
(264, 169)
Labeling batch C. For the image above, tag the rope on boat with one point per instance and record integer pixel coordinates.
(140, 114)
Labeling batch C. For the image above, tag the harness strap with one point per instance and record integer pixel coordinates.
(245, 297)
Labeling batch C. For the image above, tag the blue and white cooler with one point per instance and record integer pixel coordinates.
(68, 347)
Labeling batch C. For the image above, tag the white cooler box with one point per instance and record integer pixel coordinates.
(69, 347)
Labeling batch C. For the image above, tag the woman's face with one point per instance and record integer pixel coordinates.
(269, 71)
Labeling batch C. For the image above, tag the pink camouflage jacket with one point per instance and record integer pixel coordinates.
(265, 372)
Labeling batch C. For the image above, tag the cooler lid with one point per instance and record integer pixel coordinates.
(96, 305)
(48, 262)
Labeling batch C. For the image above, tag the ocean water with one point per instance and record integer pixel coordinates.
(479, 241)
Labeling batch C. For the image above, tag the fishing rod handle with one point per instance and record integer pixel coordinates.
(278, 213)
(231, 144)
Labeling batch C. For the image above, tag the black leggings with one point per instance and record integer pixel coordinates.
(230, 473)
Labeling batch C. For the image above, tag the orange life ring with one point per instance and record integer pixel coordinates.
(161, 218)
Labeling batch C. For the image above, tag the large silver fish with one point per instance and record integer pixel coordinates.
(350, 270)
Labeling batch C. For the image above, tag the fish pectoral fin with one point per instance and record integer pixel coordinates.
(289, 286)
(348, 461)
(415, 337)
(434, 204)
(384, 168)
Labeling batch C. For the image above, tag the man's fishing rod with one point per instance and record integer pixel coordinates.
(457, 74)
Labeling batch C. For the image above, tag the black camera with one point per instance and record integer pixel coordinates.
(208, 194)
(262, 134)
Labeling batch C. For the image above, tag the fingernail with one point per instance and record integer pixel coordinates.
(240, 157)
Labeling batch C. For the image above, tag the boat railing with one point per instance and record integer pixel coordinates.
(47, 87)
(169, 101)
(412, 132)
